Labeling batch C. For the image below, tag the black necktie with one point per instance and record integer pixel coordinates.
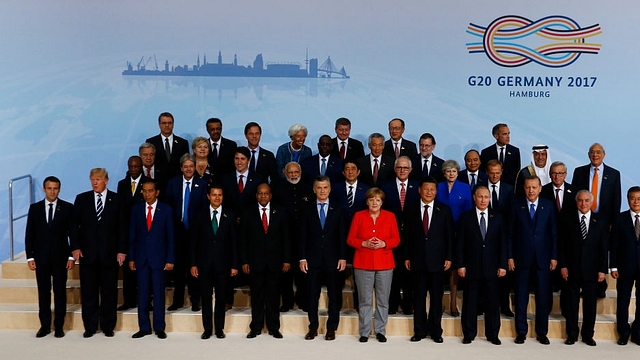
(167, 149)
(502, 155)
(50, 218)
(494, 197)
(252, 163)
(215, 151)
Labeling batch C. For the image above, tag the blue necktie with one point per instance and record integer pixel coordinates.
(323, 167)
(323, 217)
(532, 210)
(473, 181)
(185, 211)
(483, 226)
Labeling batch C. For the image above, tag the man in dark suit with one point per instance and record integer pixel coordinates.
(173, 145)
(429, 230)
(375, 169)
(472, 175)
(540, 166)
(501, 201)
(240, 185)
(213, 258)
(481, 258)
(99, 242)
(400, 194)
(323, 163)
(583, 263)
(151, 253)
(262, 160)
(48, 254)
(625, 266)
(533, 252)
(344, 147)
(504, 152)
(603, 182)
(425, 163)
(186, 195)
(222, 149)
(398, 146)
(323, 254)
(264, 254)
(130, 192)
(150, 169)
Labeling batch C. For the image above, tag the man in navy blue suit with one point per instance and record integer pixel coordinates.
(262, 160)
(186, 195)
(425, 163)
(49, 255)
(323, 163)
(151, 253)
(323, 254)
(398, 146)
(533, 251)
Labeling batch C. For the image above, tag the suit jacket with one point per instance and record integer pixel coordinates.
(214, 252)
(535, 238)
(128, 199)
(154, 247)
(481, 178)
(175, 193)
(625, 248)
(428, 252)
(584, 258)
(392, 199)
(264, 252)
(323, 247)
(180, 147)
(233, 199)
(407, 148)
(363, 228)
(435, 168)
(224, 163)
(385, 170)
(161, 176)
(284, 155)
(568, 198)
(266, 166)
(311, 168)
(48, 244)
(481, 258)
(505, 199)
(511, 164)
(355, 149)
(100, 241)
(339, 194)
(610, 190)
(458, 200)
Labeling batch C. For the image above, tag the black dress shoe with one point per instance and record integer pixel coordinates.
(416, 338)
(140, 334)
(495, 341)
(381, 337)
(330, 335)
(110, 333)
(569, 341)
(437, 339)
(276, 334)
(88, 334)
(408, 311)
(543, 339)
(43, 332)
(125, 306)
(589, 342)
(508, 313)
(311, 334)
(284, 309)
(252, 334)
(161, 334)
(174, 307)
(623, 341)
(602, 294)
(466, 340)
(205, 335)
(195, 307)
(59, 333)
(363, 339)
(520, 339)
(220, 334)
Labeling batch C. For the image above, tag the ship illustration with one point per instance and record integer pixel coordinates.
(259, 69)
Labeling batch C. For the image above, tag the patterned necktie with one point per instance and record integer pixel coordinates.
(185, 211)
(133, 188)
(323, 167)
(403, 195)
(323, 217)
(594, 190)
(494, 197)
(637, 227)
(265, 222)
(501, 155)
(532, 210)
(558, 204)
(167, 149)
(214, 222)
(50, 218)
(149, 217)
(425, 220)
(240, 184)
(252, 162)
(483, 226)
(375, 171)
(473, 181)
(343, 151)
(99, 207)
(397, 151)
(350, 196)
(583, 227)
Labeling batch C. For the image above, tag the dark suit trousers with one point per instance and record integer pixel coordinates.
(589, 290)
(431, 282)
(265, 300)
(471, 298)
(151, 280)
(129, 286)
(624, 286)
(209, 280)
(543, 305)
(506, 283)
(99, 292)
(401, 281)
(44, 273)
(331, 276)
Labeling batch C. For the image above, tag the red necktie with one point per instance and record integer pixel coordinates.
(403, 195)
(148, 172)
(397, 151)
(425, 220)
(342, 151)
(149, 218)
(241, 184)
(265, 223)
(375, 171)
(558, 205)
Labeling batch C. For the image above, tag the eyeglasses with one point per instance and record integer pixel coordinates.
(557, 173)
(403, 168)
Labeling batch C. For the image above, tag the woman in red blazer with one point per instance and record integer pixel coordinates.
(373, 233)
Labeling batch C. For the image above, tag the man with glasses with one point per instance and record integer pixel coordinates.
(425, 163)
